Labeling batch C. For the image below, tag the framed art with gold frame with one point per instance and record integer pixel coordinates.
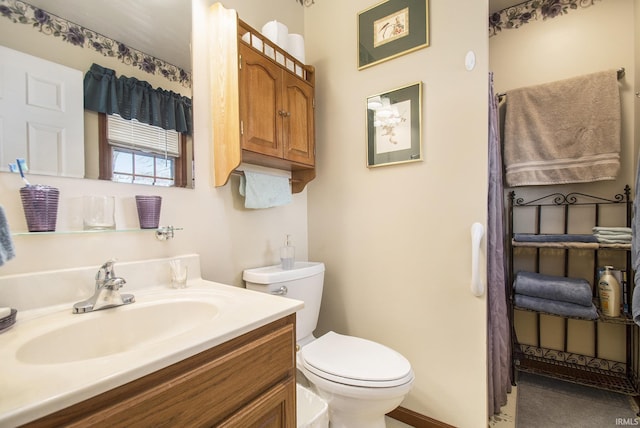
(394, 126)
(390, 29)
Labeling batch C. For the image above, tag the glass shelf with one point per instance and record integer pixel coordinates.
(168, 229)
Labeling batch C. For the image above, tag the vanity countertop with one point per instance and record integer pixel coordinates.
(32, 386)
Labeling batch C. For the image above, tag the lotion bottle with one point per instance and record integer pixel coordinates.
(287, 254)
(609, 290)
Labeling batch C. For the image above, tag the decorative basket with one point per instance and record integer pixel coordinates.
(8, 321)
(148, 211)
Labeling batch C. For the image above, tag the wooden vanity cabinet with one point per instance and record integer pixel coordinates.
(248, 381)
(262, 103)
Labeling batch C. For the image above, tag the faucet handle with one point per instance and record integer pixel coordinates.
(108, 270)
(114, 283)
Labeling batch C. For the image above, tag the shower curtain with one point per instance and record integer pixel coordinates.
(498, 334)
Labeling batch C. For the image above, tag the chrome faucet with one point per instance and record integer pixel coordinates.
(106, 294)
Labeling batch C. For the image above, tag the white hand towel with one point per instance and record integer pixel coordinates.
(264, 190)
(7, 251)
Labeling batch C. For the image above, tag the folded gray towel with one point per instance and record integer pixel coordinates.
(555, 307)
(557, 288)
(7, 251)
(531, 237)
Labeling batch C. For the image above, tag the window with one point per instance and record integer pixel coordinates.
(134, 152)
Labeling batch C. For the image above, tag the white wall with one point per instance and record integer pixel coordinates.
(395, 239)
(228, 237)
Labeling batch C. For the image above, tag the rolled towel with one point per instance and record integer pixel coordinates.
(558, 288)
(555, 307)
(531, 237)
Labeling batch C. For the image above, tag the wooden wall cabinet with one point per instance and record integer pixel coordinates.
(262, 103)
(248, 381)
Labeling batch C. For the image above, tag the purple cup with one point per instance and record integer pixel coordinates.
(148, 211)
(40, 204)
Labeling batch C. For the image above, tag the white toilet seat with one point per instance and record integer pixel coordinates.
(355, 361)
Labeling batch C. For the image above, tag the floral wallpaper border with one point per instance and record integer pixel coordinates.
(533, 10)
(23, 13)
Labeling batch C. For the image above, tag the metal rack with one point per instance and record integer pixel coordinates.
(589, 368)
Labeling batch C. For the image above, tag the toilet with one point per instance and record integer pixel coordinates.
(361, 380)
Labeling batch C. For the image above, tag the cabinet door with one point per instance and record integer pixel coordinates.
(260, 103)
(275, 409)
(298, 121)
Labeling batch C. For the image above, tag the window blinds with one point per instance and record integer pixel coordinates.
(132, 134)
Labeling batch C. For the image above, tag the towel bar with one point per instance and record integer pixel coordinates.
(620, 72)
(241, 173)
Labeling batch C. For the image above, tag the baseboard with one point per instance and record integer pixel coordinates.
(416, 419)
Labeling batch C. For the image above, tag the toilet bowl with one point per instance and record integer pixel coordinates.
(361, 380)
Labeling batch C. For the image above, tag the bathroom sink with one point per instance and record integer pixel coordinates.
(73, 357)
(116, 330)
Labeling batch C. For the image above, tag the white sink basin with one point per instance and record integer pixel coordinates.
(115, 330)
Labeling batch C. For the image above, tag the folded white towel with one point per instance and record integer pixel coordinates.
(613, 234)
(612, 240)
(602, 229)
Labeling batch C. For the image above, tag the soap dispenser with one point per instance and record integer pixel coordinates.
(609, 290)
(288, 254)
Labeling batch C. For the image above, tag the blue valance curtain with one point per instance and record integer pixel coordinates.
(136, 99)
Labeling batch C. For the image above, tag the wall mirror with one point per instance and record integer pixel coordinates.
(147, 40)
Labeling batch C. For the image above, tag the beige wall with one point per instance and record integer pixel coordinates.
(396, 239)
(601, 37)
(587, 40)
(228, 237)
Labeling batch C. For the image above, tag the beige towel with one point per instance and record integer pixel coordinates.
(563, 132)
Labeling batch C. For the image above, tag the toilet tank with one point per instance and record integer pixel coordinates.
(303, 282)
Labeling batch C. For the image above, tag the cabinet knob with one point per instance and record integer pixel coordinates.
(283, 113)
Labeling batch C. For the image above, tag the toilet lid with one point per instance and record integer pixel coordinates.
(355, 361)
